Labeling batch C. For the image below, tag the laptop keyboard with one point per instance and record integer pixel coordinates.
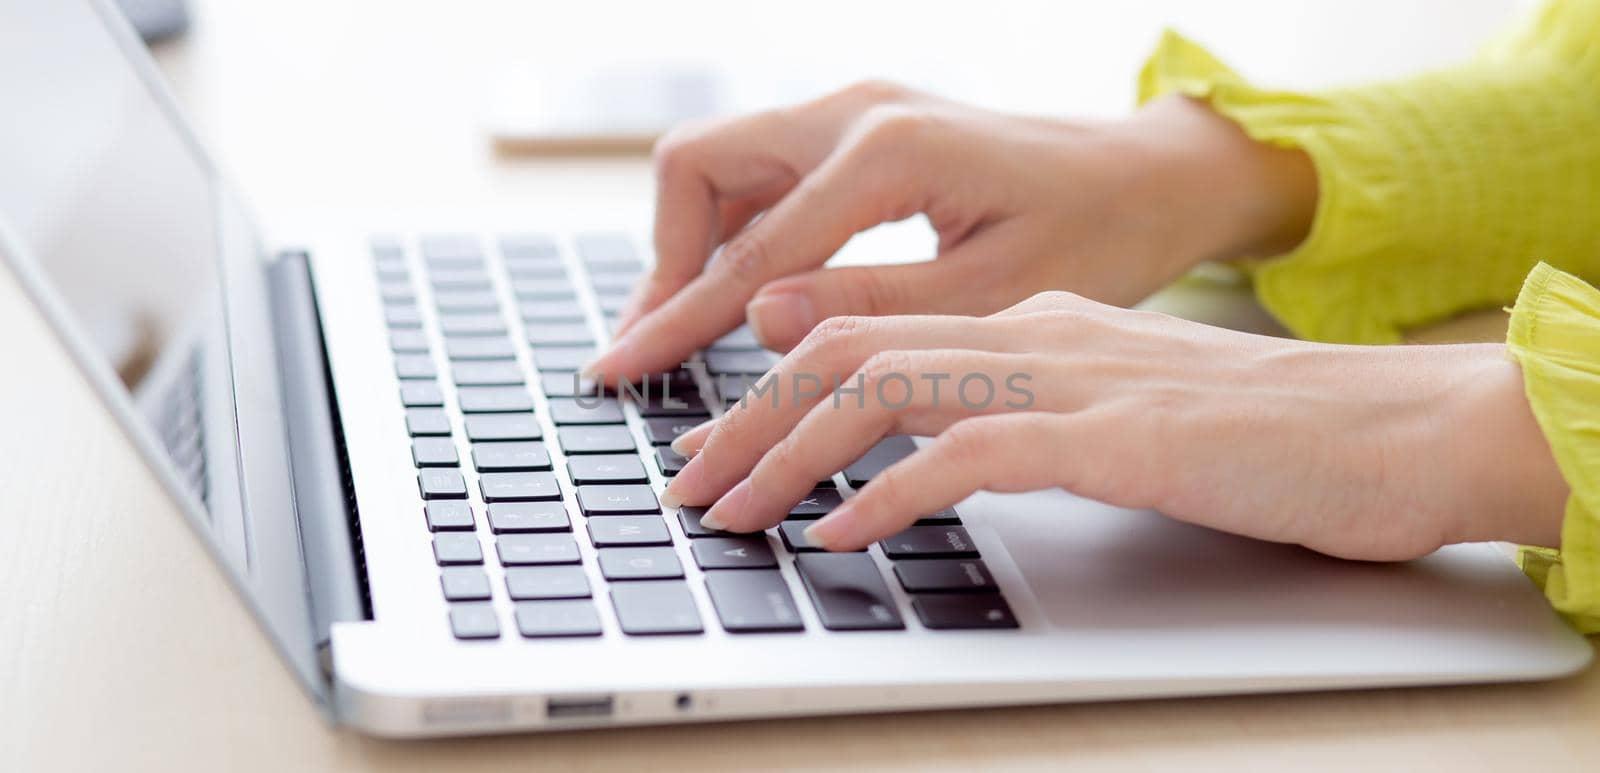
(542, 510)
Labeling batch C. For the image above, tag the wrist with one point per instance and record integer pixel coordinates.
(1232, 196)
(1509, 485)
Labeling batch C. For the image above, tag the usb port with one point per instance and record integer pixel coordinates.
(578, 706)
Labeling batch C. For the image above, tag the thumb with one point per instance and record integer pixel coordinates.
(785, 310)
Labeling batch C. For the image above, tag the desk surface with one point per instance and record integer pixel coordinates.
(120, 650)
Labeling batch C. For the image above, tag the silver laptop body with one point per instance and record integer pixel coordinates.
(266, 393)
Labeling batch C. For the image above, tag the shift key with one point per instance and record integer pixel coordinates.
(848, 592)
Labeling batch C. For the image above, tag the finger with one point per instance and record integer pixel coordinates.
(804, 377)
(857, 187)
(896, 400)
(1002, 453)
(734, 213)
(958, 282)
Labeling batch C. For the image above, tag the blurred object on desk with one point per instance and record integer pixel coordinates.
(157, 20)
(618, 110)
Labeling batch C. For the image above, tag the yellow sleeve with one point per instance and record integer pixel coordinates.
(1438, 193)
(1555, 336)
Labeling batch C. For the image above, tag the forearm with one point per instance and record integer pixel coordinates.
(1227, 195)
(1435, 193)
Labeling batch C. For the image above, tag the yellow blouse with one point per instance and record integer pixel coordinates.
(1441, 193)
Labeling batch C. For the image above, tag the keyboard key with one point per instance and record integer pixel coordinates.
(542, 289)
(662, 430)
(848, 592)
(465, 302)
(585, 410)
(562, 358)
(614, 284)
(449, 246)
(888, 451)
(640, 564)
(528, 245)
(414, 366)
(474, 620)
(930, 542)
(815, 505)
(479, 324)
(392, 269)
(559, 334)
(670, 461)
(408, 341)
(689, 519)
(527, 583)
(944, 576)
(601, 439)
(456, 547)
(752, 602)
(629, 530)
(421, 394)
(534, 549)
(742, 338)
(536, 268)
(524, 456)
(945, 517)
(479, 348)
(503, 426)
(617, 500)
(605, 247)
(427, 421)
(518, 486)
(440, 483)
(460, 279)
(740, 362)
(733, 553)
(448, 515)
(536, 312)
(537, 619)
(794, 538)
(464, 583)
(528, 516)
(487, 373)
(655, 607)
(676, 403)
(611, 306)
(606, 468)
(495, 399)
(434, 452)
(567, 385)
(401, 315)
(986, 610)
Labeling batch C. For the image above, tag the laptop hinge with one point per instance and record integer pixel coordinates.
(323, 497)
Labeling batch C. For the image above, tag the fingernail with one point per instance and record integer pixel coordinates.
(681, 488)
(712, 522)
(830, 529)
(731, 503)
(681, 442)
(780, 318)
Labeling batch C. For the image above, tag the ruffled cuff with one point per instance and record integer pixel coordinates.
(1555, 336)
(1437, 193)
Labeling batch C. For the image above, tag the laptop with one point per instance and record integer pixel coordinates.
(378, 434)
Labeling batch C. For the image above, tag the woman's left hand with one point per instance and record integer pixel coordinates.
(1379, 453)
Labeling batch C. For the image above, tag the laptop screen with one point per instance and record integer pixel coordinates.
(99, 184)
(115, 219)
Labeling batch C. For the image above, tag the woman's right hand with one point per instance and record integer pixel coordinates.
(1111, 211)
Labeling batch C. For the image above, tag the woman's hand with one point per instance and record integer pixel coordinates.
(1377, 453)
(1112, 211)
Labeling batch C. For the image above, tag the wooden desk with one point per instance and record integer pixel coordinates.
(120, 649)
